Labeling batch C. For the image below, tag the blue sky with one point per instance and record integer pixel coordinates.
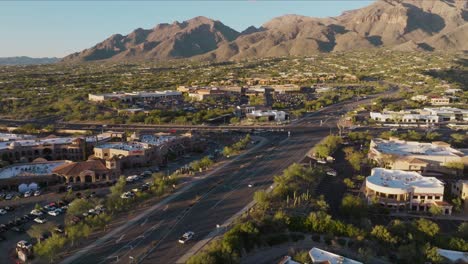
(58, 28)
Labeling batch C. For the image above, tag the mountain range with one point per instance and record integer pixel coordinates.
(406, 25)
(23, 60)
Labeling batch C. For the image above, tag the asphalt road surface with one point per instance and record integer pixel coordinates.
(154, 238)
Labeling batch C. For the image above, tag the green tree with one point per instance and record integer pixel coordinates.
(427, 227)
(38, 231)
(432, 254)
(382, 234)
(50, 248)
(463, 230)
(262, 199)
(353, 206)
(349, 183)
(435, 210)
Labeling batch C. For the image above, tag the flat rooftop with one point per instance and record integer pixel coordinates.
(14, 137)
(127, 146)
(321, 256)
(156, 140)
(402, 148)
(146, 141)
(30, 169)
(54, 140)
(402, 179)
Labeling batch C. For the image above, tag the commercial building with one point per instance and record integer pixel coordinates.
(426, 115)
(460, 190)
(415, 156)
(131, 97)
(13, 137)
(90, 171)
(27, 176)
(144, 150)
(419, 98)
(320, 256)
(52, 148)
(202, 94)
(440, 101)
(269, 115)
(405, 189)
(452, 256)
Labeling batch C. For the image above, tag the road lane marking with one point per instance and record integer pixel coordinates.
(119, 239)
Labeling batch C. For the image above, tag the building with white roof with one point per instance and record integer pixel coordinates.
(142, 150)
(426, 115)
(271, 115)
(133, 96)
(13, 137)
(51, 148)
(318, 255)
(414, 156)
(453, 256)
(405, 189)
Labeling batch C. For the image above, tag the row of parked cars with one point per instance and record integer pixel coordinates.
(12, 195)
(130, 194)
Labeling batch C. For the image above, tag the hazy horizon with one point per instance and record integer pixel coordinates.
(58, 28)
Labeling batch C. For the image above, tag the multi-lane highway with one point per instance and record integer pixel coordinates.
(151, 236)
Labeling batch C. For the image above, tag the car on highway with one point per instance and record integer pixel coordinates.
(186, 237)
(40, 220)
(3, 211)
(36, 212)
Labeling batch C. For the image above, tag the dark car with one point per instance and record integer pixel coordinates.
(18, 229)
(9, 208)
(3, 228)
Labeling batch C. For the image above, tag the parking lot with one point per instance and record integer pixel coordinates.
(15, 221)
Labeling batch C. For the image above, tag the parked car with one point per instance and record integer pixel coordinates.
(127, 195)
(59, 229)
(37, 193)
(27, 194)
(23, 244)
(8, 196)
(3, 211)
(40, 220)
(9, 208)
(36, 212)
(18, 229)
(55, 212)
(186, 237)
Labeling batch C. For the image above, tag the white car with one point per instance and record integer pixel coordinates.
(36, 212)
(186, 237)
(24, 244)
(27, 194)
(3, 211)
(127, 195)
(37, 193)
(55, 212)
(40, 220)
(9, 196)
(332, 173)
